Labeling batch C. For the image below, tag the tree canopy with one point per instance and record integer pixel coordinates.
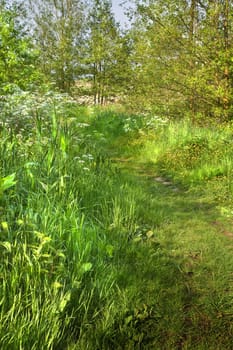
(18, 56)
(183, 56)
(176, 58)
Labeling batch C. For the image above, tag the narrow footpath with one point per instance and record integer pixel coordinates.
(197, 247)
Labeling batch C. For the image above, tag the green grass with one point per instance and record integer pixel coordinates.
(97, 254)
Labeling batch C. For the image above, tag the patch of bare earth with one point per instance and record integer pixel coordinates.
(222, 229)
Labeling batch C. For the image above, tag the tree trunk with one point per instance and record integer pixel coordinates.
(192, 31)
(226, 101)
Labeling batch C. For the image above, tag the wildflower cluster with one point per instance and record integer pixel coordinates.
(155, 122)
(23, 110)
(144, 121)
(132, 124)
(85, 161)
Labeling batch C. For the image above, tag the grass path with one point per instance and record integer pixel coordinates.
(194, 281)
(181, 269)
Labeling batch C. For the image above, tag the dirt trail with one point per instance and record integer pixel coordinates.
(184, 203)
(197, 241)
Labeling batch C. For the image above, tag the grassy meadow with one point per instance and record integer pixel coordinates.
(116, 230)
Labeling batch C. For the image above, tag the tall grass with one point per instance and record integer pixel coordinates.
(66, 223)
(193, 155)
(87, 255)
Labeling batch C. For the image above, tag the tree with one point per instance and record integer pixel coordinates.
(160, 59)
(58, 32)
(183, 53)
(17, 55)
(103, 50)
(216, 50)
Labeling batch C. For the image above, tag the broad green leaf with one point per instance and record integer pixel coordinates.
(110, 250)
(4, 225)
(7, 182)
(6, 245)
(85, 267)
(64, 301)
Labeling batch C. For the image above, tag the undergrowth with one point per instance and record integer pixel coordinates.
(196, 157)
(94, 256)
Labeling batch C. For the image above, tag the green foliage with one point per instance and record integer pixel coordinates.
(23, 111)
(192, 155)
(57, 28)
(182, 58)
(95, 255)
(7, 182)
(175, 60)
(65, 226)
(17, 58)
(104, 46)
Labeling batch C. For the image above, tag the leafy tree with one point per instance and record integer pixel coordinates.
(17, 56)
(159, 63)
(58, 32)
(183, 57)
(215, 50)
(104, 50)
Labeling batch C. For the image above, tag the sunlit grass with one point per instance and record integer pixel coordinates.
(97, 254)
(190, 154)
